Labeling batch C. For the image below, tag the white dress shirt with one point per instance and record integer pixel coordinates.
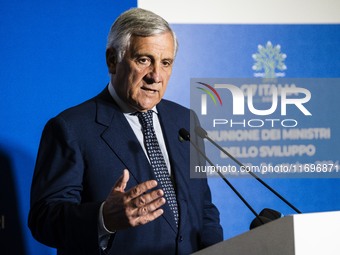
(133, 120)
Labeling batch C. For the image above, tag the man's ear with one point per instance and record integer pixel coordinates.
(111, 60)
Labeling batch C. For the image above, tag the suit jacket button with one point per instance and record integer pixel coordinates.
(180, 238)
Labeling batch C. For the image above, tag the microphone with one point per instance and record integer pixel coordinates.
(204, 135)
(185, 135)
(266, 215)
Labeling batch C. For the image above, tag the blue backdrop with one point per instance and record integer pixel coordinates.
(52, 57)
(226, 51)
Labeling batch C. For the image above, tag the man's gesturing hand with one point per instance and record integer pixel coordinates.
(134, 207)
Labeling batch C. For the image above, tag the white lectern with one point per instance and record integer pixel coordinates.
(302, 234)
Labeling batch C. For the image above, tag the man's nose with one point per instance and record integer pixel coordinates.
(153, 75)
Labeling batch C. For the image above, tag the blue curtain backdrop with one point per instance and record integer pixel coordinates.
(225, 51)
(52, 57)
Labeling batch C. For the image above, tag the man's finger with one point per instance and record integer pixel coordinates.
(120, 185)
(149, 208)
(147, 198)
(149, 217)
(140, 189)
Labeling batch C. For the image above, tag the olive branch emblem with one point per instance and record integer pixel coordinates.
(269, 59)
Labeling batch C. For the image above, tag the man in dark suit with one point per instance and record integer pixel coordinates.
(98, 187)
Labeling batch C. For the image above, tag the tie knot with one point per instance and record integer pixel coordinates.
(145, 118)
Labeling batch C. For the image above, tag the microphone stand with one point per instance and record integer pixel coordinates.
(185, 135)
(203, 134)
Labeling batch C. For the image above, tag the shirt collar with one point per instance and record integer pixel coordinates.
(123, 105)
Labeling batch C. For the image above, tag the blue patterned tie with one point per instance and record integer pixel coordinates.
(157, 161)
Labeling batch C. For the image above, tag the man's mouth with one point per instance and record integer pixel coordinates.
(149, 89)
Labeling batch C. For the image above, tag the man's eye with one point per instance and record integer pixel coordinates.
(166, 63)
(144, 61)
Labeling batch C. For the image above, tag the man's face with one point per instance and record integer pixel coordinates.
(141, 78)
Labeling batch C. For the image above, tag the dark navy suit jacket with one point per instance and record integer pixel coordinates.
(82, 153)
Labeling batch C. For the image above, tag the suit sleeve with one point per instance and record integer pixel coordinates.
(57, 217)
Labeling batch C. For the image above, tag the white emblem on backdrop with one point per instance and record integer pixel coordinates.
(268, 59)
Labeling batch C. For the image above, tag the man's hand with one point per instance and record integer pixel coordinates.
(132, 208)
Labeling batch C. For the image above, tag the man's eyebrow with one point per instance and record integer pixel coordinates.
(137, 55)
(168, 59)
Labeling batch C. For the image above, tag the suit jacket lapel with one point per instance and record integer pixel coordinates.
(120, 137)
(178, 153)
